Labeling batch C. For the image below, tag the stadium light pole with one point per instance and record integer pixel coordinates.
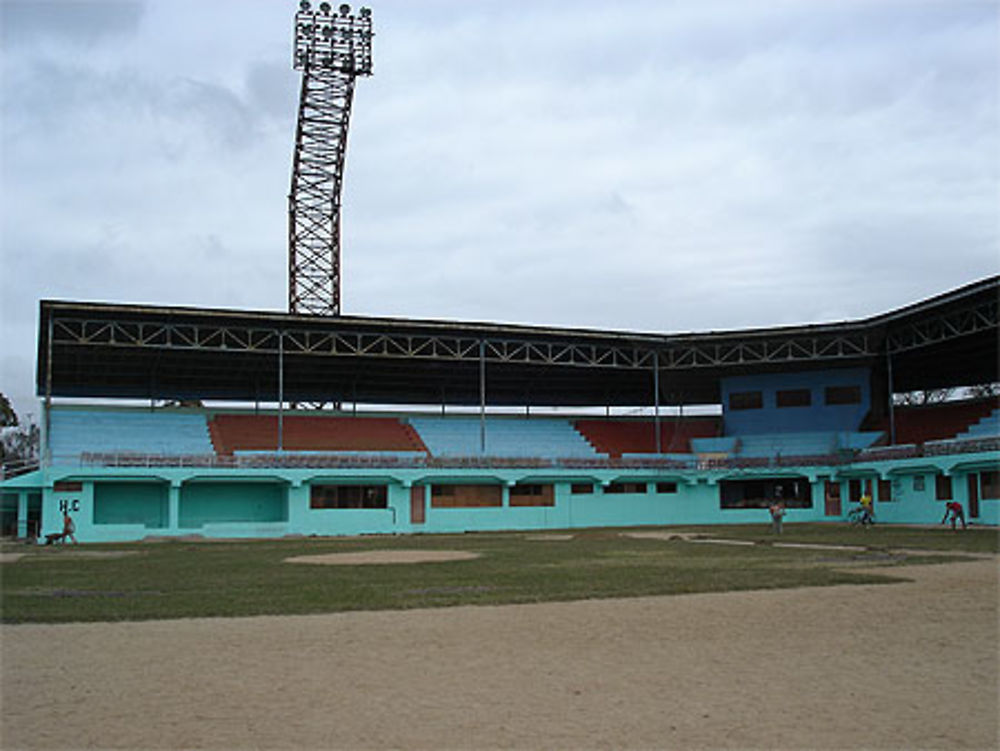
(331, 48)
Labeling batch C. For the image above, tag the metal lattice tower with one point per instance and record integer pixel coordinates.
(331, 50)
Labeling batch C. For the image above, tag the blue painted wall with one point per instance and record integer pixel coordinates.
(816, 417)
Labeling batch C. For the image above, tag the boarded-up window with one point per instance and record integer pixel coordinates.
(793, 398)
(582, 488)
(532, 495)
(843, 395)
(626, 487)
(666, 487)
(348, 497)
(466, 496)
(746, 400)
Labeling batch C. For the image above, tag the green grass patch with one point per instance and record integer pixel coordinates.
(242, 578)
(879, 536)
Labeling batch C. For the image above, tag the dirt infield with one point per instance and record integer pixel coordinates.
(909, 666)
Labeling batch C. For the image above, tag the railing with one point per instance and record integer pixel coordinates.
(317, 460)
(17, 467)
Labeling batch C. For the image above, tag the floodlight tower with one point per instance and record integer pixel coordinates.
(332, 48)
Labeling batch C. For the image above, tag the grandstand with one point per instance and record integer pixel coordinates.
(173, 422)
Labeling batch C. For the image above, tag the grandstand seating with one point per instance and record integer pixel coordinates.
(232, 433)
(985, 428)
(787, 444)
(77, 431)
(935, 422)
(550, 438)
(620, 437)
(721, 445)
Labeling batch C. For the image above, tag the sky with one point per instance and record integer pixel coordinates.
(637, 165)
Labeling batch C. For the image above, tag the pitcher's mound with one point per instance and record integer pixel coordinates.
(384, 556)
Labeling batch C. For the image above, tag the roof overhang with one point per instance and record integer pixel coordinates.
(100, 350)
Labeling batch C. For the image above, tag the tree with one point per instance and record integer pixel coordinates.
(19, 441)
(8, 417)
(985, 391)
(924, 397)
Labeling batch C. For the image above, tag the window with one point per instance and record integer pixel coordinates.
(466, 496)
(581, 488)
(794, 398)
(67, 487)
(746, 400)
(666, 487)
(794, 492)
(918, 483)
(854, 490)
(843, 395)
(942, 488)
(626, 487)
(532, 495)
(990, 484)
(884, 491)
(348, 497)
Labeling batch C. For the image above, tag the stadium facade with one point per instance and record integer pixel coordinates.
(177, 422)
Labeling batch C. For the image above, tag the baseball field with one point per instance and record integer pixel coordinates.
(827, 637)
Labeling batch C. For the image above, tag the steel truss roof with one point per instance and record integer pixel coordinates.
(106, 350)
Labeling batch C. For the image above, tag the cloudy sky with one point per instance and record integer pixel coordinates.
(660, 166)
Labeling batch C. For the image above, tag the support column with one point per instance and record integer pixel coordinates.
(174, 505)
(46, 451)
(281, 391)
(22, 514)
(482, 397)
(892, 402)
(656, 402)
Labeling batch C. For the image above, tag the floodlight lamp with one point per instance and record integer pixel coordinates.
(327, 31)
(365, 12)
(304, 6)
(325, 8)
(345, 9)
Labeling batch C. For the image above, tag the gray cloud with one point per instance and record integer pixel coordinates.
(666, 166)
(79, 22)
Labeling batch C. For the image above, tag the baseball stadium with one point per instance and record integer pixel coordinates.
(311, 529)
(162, 422)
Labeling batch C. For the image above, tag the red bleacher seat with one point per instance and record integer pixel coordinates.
(936, 422)
(617, 437)
(245, 432)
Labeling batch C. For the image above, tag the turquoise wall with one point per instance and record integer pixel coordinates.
(231, 502)
(133, 503)
(142, 503)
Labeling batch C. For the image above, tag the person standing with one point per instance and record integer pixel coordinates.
(957, 513)
(777, 509)
(69, 527)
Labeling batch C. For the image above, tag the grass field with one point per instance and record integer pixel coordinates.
(144, 581)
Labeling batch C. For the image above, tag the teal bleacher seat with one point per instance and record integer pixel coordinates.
(787, 444)
(720, 445)
(73, 432)
(550, 438)
(987, 427)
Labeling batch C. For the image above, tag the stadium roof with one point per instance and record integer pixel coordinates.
(101, 350)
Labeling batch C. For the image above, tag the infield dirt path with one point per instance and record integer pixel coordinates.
(903, 666)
